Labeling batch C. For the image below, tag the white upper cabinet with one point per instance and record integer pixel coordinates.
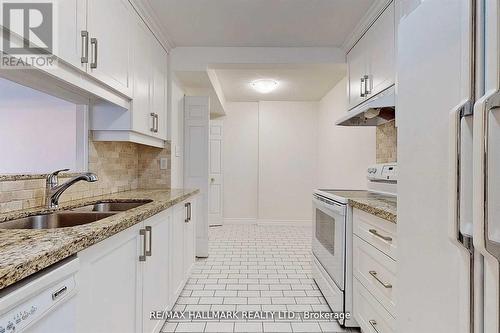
(145, 122)
(141, 103)
(381, 57)
(357, 69)
(371, 61)
(72, 32)
(109, 26)
(159, 88)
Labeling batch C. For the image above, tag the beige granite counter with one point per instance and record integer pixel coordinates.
(24, 252)
(32, 176)
(380, 205)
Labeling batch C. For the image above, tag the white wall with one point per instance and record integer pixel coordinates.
(38, 132)
(287, 159)
(241, 151)
(343, 152)
(177, 134)
(269, 161)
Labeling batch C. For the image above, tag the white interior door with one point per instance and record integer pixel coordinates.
(215, 187)
(196, 141)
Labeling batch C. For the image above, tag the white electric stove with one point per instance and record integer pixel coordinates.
(332, 236)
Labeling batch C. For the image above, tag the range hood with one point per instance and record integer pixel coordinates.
(376, 111)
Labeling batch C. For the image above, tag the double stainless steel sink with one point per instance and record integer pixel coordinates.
(73, 217)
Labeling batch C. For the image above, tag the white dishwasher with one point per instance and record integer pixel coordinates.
(42, 303)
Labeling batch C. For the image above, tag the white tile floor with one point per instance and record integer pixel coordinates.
(254, 268)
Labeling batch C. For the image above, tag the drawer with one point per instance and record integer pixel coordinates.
(370, 314)
(376, 272)
(376, 231)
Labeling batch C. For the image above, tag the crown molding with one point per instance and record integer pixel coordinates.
(370, 17)
(148, 15)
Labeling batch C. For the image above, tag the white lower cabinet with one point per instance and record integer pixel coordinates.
(189, 237)
(110, 297)
(139, 270)
(375, 273)
(182, 244)
(155, 290)
(177, 248)
(370, 315)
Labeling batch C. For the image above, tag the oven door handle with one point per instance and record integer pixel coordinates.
(329, 205)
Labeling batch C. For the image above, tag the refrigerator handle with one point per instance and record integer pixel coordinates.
(482, 113)
(464, 108)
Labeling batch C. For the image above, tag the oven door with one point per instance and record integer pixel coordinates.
(328, 245)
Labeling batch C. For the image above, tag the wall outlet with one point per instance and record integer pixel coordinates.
(163, 163)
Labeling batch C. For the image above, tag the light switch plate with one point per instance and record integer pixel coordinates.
(163, 163)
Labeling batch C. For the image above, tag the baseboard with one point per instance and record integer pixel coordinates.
(247, 221)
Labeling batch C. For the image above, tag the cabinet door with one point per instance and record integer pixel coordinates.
(72, 43)
(189, 238)
(110, 23)
(110, 279)
(381, 52)
(142, 121)
(177, 250)
(156, 279)
(159, 97)
(356, 66)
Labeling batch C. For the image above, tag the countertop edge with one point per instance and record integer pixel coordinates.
(378, 212)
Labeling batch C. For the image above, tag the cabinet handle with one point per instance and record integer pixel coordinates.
(189, 211)
(156, 127)
(368, 89)
(385, 284)
(374, 325)
(187, 204)
(362, 88)
(61, 291)
(149, 251)
(154, 122)
(375, 233)
(85, 47)
(93, 43)
(142, 257)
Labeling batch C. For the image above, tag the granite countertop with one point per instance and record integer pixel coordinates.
(31, 176)
(380, 205)
(24, 252)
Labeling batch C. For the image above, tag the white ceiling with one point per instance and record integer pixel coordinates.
(296, 82)
(280, 23)
(198, 83)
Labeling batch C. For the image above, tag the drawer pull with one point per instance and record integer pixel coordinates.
(386, 285)
(59, 292)
(375, 233)
(374, 325)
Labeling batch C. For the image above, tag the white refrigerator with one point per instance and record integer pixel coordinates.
(486, 165)
(449, 166)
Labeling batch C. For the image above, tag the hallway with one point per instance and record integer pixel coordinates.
(254, 268)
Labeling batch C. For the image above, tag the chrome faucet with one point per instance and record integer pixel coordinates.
(53, 190)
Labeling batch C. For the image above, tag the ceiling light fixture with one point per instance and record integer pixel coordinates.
(264, 86)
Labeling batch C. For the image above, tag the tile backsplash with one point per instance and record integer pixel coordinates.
(120, 166)
(387, 142)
